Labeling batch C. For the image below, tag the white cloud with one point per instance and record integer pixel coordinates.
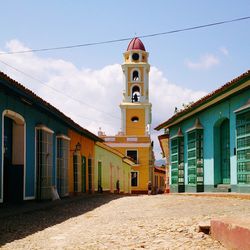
(224, 51)
(99, 91)
(165, 96)
(206, 62)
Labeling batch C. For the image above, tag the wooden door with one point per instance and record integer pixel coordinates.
(225, 152)
(83, 174)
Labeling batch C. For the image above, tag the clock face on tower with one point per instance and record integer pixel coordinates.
(135, 56)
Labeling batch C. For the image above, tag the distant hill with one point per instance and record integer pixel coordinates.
(160, 162)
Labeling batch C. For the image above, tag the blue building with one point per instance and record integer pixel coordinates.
(34, 144)
(210, 141)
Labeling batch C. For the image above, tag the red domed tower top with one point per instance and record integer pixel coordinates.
(136, 44)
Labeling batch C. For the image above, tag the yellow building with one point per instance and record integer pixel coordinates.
(111, 166)
(134, 138)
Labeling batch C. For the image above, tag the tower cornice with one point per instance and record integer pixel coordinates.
(135, 105)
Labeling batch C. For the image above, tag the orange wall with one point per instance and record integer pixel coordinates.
(87, 150)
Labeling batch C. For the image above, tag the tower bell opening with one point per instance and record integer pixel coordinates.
(135, 75)
(136, 94)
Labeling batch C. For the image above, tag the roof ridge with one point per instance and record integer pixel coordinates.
(204, 98)
(31, 94)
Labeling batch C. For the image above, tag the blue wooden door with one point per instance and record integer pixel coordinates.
(13, 174)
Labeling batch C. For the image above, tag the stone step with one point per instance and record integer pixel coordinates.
(232, 233)
(222, 188)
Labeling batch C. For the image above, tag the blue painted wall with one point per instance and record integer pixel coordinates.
(32, 116)
(208, 119)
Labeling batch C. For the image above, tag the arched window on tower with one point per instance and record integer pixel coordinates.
(136, 94)
(135, 76)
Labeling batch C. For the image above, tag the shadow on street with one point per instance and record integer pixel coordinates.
(44, 215)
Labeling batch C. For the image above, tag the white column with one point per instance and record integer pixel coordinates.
(123, 121)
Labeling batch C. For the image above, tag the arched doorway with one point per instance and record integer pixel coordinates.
(222, 152)
(13, 156)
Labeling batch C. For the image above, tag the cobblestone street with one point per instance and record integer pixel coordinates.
(120, 222)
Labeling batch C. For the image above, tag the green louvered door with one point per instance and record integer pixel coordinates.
(174, 161)
(225, 152)
(99, 177)
(181, 184)
(195, 159)
(177, 163)
(243, 148)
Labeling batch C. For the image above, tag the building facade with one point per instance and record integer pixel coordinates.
(134, 138)
(81, 163)
(210, 141)
(159, 180)
(164, 143)
(112, 170)
(36, 142)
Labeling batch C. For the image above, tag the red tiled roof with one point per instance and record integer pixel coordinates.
(159, 170)
(204, 99)
(136, 44)
(31, 96)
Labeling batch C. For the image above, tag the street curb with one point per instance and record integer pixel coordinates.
(232, 233)
(220, 195)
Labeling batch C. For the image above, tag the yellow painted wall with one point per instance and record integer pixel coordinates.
(135, 128)
(126, 57)
(142, 167)
(113, 169)
(87, 150)
(144, 57)
(126, 178)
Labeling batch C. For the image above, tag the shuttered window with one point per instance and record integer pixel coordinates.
(177, 161)
(243, 147)
(76, 166)
(195, 157)
(44, 162)
(134, 179)
(62, 165)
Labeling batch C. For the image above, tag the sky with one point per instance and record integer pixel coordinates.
(86, 83)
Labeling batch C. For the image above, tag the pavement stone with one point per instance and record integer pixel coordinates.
(120, 222)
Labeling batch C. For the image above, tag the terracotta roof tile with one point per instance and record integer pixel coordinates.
(159, 170)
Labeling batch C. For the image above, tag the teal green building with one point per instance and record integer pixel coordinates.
(209, 146)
